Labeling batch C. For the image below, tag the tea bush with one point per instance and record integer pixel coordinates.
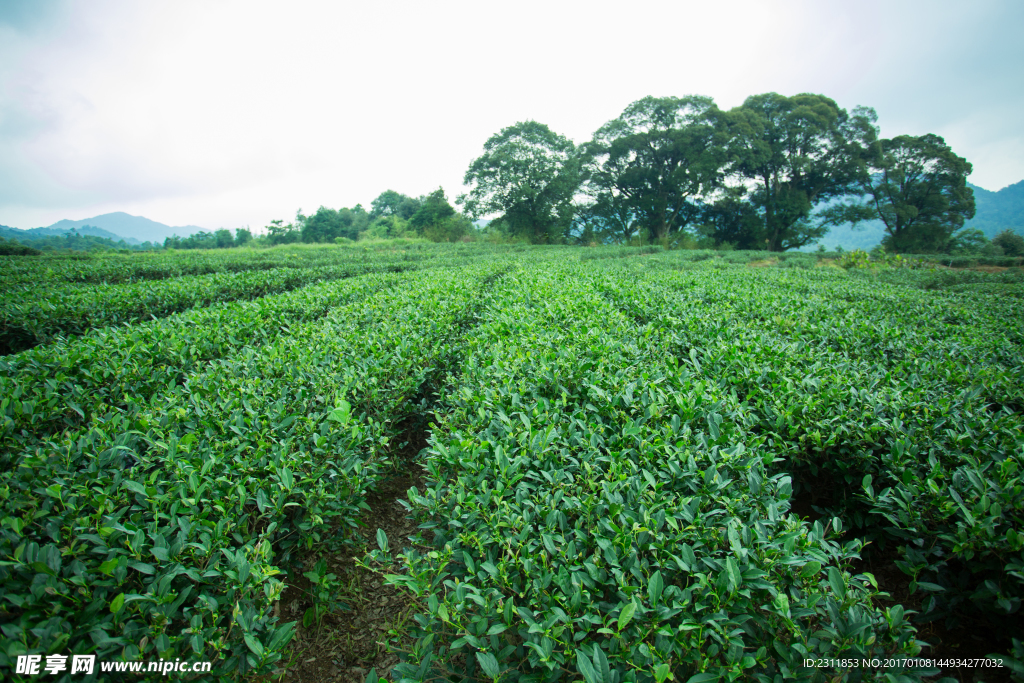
(905, 399)
(616, 450)
(159, 528)
(59, 386)
(598, 503)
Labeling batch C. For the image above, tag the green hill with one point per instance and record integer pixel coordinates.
(33, 234)
(996, 211)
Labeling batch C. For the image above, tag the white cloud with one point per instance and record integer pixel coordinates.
(231, 113)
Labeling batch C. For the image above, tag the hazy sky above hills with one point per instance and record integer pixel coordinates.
(224, 113)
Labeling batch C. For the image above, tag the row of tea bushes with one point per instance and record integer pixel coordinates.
(908, 403)
(113, 268)
(48, 308)
(160, 530)
(1008, 282)
(598, 509)
(37, 317)
(57, 387)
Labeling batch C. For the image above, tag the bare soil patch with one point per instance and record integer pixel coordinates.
(350, 642)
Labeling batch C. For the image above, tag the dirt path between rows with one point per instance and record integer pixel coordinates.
(350, 642)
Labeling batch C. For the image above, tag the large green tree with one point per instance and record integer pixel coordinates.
(326, 225)
(438, 221)
(278, 233)
(654, 160)
(1010, 242)
(920, 192)
(793, 153)
(224, 238)
(528, 174)
(434, 209)
(391, 203)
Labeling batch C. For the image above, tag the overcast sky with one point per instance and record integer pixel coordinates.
(224, 114)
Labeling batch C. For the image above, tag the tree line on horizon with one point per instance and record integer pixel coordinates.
(774, 173)
(392, 215)
(71, 240)
(219, 239)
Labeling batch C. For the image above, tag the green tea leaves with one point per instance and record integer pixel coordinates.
(810, 570)
(654, 587)
(835, 580)
(733, 570)
(626, 615)
(489, 664)
(620, 458)
(585, 667)
(342, 413)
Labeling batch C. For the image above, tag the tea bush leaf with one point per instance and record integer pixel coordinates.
(835, 580)
(489, 664)
(810, 569)
(585, 667)
(626, 615)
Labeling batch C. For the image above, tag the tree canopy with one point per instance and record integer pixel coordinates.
(438, 221)
(795, 152)
(920, 192)
(434, 209)
(651, 162)
(327, 225)
(391, 203)
(1010, 242)
(528, 174)
(220, 239)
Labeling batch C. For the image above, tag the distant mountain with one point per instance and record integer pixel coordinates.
(128, 226)
(32, 234)
(996, 211)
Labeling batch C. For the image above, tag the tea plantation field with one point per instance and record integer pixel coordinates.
(639, 465)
